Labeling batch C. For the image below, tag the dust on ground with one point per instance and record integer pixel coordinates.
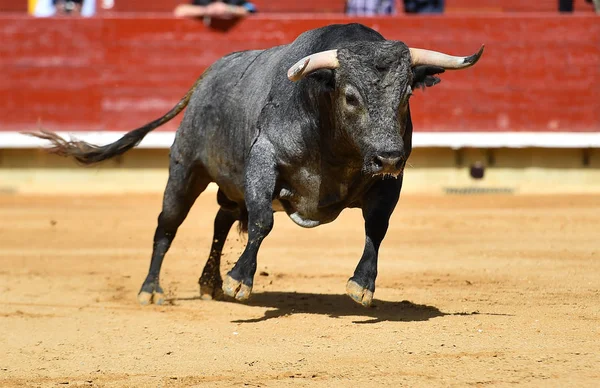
(472, 290)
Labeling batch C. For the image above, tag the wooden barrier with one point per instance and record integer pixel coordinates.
(539, 73)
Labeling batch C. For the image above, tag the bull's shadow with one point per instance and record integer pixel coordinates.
(337, 305)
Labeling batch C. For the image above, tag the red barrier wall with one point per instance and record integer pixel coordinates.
(13, 6)
(539, 72)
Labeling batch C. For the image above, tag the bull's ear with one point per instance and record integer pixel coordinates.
(424, 76)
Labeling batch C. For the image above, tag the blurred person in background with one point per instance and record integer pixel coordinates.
(370, 7)
(388, 7)
(424, 6)
(567, 5)
(47, 8)
(223, 9)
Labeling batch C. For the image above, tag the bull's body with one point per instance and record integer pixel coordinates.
(245, 98)
(310, 148)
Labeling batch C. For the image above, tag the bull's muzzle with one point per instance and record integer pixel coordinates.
(387, 163)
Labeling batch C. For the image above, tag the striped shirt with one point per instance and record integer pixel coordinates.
(370, 7)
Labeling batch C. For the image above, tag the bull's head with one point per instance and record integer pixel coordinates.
(371, 87)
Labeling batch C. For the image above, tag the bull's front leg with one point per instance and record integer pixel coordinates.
(261, 176)
(378, 205)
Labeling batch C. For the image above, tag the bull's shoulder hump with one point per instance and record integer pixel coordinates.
(250, 61)
(335, 36)
(237, 57)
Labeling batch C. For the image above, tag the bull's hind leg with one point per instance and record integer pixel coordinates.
(378, 206)
(260, 183)
(210, 281)
(183, 187)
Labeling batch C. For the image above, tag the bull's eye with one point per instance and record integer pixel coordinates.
(352, 99)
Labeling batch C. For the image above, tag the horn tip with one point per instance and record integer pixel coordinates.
(472, 59)
(295, 72)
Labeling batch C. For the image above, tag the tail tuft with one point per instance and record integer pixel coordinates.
(86, 153)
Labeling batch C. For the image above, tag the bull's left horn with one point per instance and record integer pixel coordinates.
(321, 60)
(449, 62)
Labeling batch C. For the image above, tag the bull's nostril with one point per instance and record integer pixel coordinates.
(387, 162)
(377, 162)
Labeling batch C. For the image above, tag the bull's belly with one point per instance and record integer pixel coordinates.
(306, 219)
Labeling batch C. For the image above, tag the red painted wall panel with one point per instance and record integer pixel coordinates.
(13, 6)
(539, 73)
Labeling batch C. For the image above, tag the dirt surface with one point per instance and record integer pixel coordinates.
(472, 290)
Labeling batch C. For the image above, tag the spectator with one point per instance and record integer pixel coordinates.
(424, 6)
(223, 9)
(567, 5)
(47, 8)
(370, 7)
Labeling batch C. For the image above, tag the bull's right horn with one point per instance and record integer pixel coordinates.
(321, 60)
(449, 62)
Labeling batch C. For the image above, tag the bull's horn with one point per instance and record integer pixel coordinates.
(434, 58)
(321, 60)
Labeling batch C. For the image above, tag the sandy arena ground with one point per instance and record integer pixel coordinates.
(472, 290)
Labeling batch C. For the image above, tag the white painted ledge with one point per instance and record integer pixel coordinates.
(420, 139)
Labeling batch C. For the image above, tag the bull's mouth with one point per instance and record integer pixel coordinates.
(389, 175)
(385, 173)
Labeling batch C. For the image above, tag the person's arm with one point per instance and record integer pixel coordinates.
(220, 9)
(216, 9)
(190, 10)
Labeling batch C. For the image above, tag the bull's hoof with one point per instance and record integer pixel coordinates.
(146, 298)
(151, 292)
(236, 289)
(211, 292)
(358, 293)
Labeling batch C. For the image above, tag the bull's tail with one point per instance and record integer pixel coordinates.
(86, 153)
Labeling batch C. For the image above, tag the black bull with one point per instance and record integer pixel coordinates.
(335, 133)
